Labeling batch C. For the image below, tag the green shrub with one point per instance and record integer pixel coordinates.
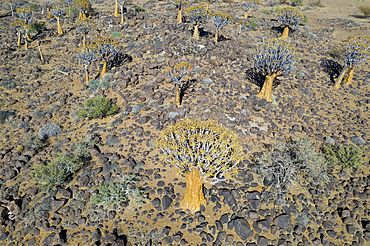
(347, 157)
(305, 18)
(34, 7)
(55, 172)
(37, 27)
(266, 11)
(82, 146)
(365, 10)
(124, 191)
(252, 24)
(277, 9)
(99, 107)
(34, 142)
(139, 9)
(115, 34)
(97, 84)
(285, 162)
(297, 2)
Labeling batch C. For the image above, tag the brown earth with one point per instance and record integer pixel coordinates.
(306, 105)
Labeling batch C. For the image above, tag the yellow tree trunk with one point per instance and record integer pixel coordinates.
(216, 37)
(60, 31)
(247, 13)
(25, 44)
(19, 43)
(194, 196)
(87, 76)
(41, 56)
(29, 37)
(80, 15)
(48, 13)
(340, 78)
(349, 76)
(285, 33)
(116, 10)
(84, 39)
(196, 32)
(266, 90)
(179, 16)
(122, 19)
(104, 70)
(177, 97)
(207, 7)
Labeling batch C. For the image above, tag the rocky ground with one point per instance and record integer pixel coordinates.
(35, 94)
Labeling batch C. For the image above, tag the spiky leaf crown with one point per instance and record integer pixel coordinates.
(275, 57)
(17, 25)
(180, 4)
(290, 16)
(87, 55)
(57, 11)
(197, 14)
(84, 26)
(212, 149)
(47, 3)
(247, 5)
(82, 5)
(357, 50)
(25, 14)
(107, 48)
(178, 72)
(221, 20)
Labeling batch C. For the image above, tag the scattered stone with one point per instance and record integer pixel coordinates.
(207, 81)
(358, 140)
(166, 202)
(282, 221)
(242, 228)
(50, 130)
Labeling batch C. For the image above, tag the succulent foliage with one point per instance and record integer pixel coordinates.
(117, 192)
(107, 48)
(99, 107)
(180, 4)
(87, 55)
(248, 5)
(57, 11)
(25, 14)
(220, 20)
(85, 26)
(179, 72)
(197, 14)
(356, 50)
(290, 16)
(212, 149)
(274, 57)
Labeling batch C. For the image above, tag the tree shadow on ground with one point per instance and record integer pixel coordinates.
(258, 78)
(333, 68)
(119, 60)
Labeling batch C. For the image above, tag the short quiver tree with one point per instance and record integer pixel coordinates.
(198, 15)
(179, 74)
(356, 53)
(82, 6)
(25, 14)
(203, 152)
(121, 4)
(273, 59)
(107, 49)
(85, 26)
(57, 13)
(220, 20)
(289, 17)
(86, 56)
(47, 5)
(248, 5)
(17, 27)
(180, 5)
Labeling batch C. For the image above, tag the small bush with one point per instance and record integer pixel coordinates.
(82, 146)
(98, 107)
(365, 10)
(115, 34)
(139, 9)
(252, 24)
(305, 18)
(34, 7)
(348, 157)
(285, 162)
(266, 11)
(124, 191)
(316, 3)
(34, 142)
(56, 172)
(297, 2)
(96, 84)
(277, 9)
(37, 27)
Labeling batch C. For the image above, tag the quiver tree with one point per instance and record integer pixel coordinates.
(25, 30)
(25, 14)
(69, 3)
(10, 2)
(180, 5)
(86, 56)
(116, 9)
(47, 5)
(83, 6)
(273, 59)
(356, 53)
(17, 26)
(248, 5)
(107, 49)
(85, 26)
(220, 20)
(203, 152)
(121, 4)
(57, 13)
(197, 15)
(179, 74)
(289, 17)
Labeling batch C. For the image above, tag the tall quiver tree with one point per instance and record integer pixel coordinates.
(197, 15)
(289, 17)
(273, 59)
(86, 56)
(220, 20)
(25, 14)
(25, 30)
(179, 74)
(203, 152)
(84, 26)
(17, 26)
(121, 4)
(107, 49)
(47, 5)
(57, 12)
(248, 5)
(116, 9)
(180, 5)
(356, 53)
